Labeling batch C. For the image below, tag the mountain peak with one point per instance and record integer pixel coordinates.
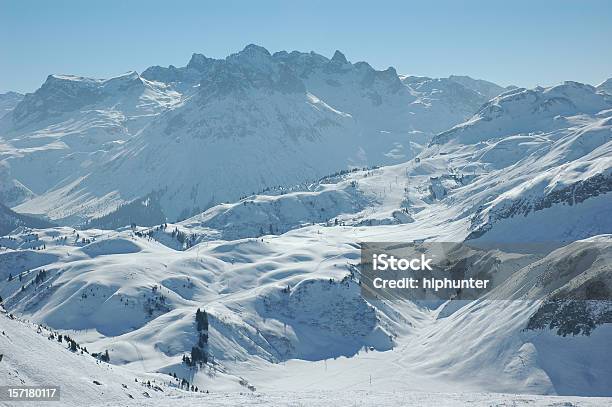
(56, 78)
(254, 56)
(123, 81)
(487, 89)
(523, 109)
(253, 49)
(199, 61)
(339, 58)
(129, 75)
(605, 86)
(391, 72)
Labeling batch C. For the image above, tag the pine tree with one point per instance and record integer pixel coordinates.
(105, 357)
(201, 320)
(203, 339)
(196, 355)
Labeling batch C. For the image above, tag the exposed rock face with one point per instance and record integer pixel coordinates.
(570, 195)
(571, 317)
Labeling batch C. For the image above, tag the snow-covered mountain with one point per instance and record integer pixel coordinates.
(528, 172)
(487, 89)
(276, 272)
(10, 220)
(12, 192)
(216, 130)
(8, 101)
(544, 154)
(69, 124)
(489, 176)
(605, 86)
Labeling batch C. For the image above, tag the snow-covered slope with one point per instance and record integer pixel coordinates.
(528, 110)
(487, 89)
(529, 158)
(605, 86)
(32, 356)
(68, 124)
(11, 220)
(216, 130)
(8, 101)
(276, 271)
(286, 312)
(12, 192)
(482, 180)
(268, 214)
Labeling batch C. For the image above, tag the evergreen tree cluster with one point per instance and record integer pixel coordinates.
(201, 320)
(72, 344)
(40, 276)
(104, 357)
(199, 352)
(156, 302)
(183, 238)
(184, 384)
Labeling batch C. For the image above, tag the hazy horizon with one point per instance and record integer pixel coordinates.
(522, 43)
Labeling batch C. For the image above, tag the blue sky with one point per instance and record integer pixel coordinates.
(509, 42)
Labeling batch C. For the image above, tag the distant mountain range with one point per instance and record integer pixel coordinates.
(214, 130)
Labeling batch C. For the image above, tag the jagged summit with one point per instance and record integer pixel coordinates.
(303, 64)
(339, 58)
(198, 62)
(287, 117)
